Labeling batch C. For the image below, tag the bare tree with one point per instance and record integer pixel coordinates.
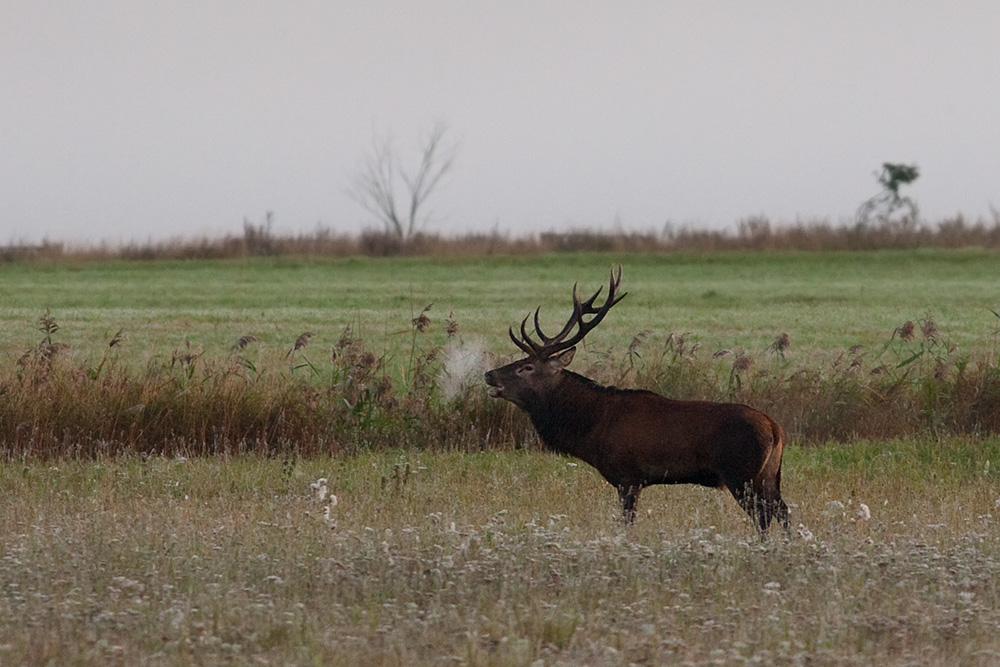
(395, 195)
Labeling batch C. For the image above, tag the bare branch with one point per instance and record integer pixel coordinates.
(374, 187)
(436, 161)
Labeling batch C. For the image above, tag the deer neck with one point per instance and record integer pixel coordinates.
(566, 415)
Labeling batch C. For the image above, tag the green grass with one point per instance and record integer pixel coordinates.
(825, 301)
(176, 384)
(497, 558)
(447, 544)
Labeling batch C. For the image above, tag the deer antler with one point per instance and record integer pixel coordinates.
(552, 344)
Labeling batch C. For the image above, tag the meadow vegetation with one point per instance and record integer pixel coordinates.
(294, 461)
(836, 347)
(497, 558)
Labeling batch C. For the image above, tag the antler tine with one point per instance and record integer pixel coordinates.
(587, 307)
(536, 349)
(615, 284)
(573, 319)
(552, 344)
(527, 345)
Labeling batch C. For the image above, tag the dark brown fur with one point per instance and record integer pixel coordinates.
(638, 438)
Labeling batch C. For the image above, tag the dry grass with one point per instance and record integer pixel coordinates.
(907, 386)
(497, 559)
(253, 400)
(284, 402)
(753, 233)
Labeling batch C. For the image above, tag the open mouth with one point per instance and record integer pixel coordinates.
(494, 388)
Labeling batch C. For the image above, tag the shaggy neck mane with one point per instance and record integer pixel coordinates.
(567, 414)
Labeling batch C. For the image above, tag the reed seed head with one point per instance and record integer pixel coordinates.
(117, 338)
(302, 340)
(451, 326)
(906, 331)
(742, 362)
(928, 329)
(421, 321)
(244, 342)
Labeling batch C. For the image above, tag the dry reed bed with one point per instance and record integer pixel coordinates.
(752, 233)
(57, 402)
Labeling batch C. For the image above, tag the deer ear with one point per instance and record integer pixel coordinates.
(563, 359)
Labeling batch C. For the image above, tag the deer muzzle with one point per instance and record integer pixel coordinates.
(495, 388)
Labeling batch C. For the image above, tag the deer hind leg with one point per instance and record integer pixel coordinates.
(780, 509)
(767, 488)
(760, 494)
(762, 502)
(628, 495)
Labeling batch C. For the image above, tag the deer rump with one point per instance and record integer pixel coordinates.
(638, 438)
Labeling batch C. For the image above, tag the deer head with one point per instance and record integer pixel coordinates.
(525, 381)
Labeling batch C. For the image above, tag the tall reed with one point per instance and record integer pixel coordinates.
(55, 401)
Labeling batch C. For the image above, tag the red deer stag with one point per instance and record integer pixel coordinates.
(638, 438)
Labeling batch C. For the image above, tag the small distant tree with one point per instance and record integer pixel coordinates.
(396, 195)
(887, 203)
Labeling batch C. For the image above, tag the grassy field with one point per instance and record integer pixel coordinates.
(452, 539)
(498, 558)
(825, 301)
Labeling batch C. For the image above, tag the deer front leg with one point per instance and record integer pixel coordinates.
(628, 494)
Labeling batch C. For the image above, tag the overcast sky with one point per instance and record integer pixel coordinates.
(137, 120)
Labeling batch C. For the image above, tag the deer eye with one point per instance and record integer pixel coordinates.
(527, 369)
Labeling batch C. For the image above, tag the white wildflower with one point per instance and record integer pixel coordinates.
(804, 533)
(387, 553)
(327, 517)
(319, 489)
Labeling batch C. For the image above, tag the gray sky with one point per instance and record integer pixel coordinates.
(136, 120)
